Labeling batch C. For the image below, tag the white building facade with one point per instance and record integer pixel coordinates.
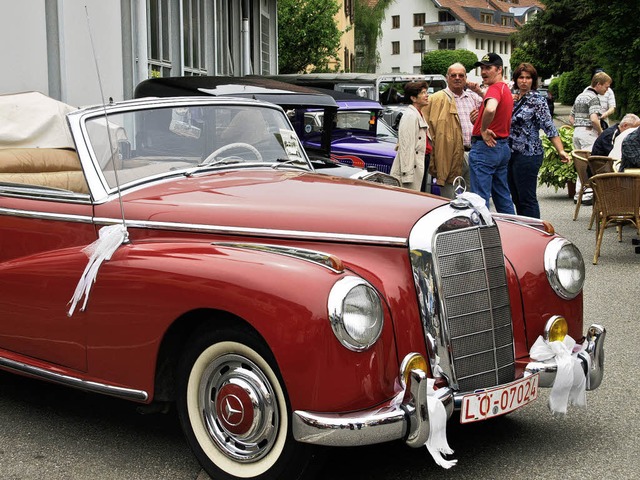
(412, 28)
(46, 45)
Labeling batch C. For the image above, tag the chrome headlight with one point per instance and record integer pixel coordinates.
(355, 313)
(565, 267)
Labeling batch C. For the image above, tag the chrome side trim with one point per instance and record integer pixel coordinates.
(214, 229)
(326, 260)
(47, 215)
(43, 193)
(30, 370)
(260, 232)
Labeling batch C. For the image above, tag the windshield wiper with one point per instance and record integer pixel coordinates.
(221, 161)
(284, 162)
(206, 165)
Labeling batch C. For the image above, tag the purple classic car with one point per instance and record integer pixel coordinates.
(360, 137)
(341, 137)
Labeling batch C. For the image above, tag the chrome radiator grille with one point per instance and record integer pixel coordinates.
(476, 310)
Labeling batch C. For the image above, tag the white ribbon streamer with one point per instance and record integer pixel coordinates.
(569, 387)
(437, 442)
(109, 239)
(479, 204)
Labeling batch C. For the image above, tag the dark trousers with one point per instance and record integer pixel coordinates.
(523, 182)
(426, 186)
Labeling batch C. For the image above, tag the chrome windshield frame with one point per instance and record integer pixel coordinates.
(77, 120)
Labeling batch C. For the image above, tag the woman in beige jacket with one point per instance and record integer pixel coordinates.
(411, 164)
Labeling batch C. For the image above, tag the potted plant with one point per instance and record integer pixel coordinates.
(554, 173)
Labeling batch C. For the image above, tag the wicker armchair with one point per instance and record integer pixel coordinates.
(599, 164)
(581, 162)
(617, 203)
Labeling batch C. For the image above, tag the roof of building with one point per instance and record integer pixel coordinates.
(464, 10)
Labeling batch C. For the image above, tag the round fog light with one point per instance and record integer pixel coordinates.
(556, 329)
(413, 361)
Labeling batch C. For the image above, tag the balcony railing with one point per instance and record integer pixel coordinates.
(445, 28)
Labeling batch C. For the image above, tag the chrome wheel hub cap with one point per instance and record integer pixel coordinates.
(239, 408)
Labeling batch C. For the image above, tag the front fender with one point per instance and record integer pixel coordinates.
(146, 286)
(525, 252)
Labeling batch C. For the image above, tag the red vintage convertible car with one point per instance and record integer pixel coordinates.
(242, 290)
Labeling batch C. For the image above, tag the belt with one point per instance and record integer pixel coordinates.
(476, 138)
(467, 148)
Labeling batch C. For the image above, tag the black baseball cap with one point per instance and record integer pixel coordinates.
(488, 60)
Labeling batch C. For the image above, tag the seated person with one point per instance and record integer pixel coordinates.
(246, 127)
(604, 143)
(631, 151)
(616, 152)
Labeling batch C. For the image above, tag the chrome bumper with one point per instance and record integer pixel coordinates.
(409, 420)
(592, 358)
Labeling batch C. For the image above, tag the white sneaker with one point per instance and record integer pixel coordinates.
(587, 197)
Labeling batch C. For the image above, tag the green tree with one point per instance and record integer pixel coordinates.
(582, 35)
(368, 30)
(438, 61)
(308, 36)
(522, 55)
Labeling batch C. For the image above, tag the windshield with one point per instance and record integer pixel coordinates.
(391, 92)
(153, 142)
(385, 132)
(356, 121)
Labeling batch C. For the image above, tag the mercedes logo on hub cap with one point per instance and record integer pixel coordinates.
(234, 409)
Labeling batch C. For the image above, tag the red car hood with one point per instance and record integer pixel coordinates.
(278, 200)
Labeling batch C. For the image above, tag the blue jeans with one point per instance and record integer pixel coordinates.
(523, 181)
(488, 172)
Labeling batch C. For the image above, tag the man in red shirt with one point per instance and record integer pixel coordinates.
(490, 153)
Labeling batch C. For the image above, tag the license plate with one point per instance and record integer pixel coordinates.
(493, 402)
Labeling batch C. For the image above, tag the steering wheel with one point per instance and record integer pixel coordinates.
(211, 157)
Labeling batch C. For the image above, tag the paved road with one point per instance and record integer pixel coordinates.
(49, 432)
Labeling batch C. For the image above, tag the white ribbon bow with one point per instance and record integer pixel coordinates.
(569, 387)
(109, 239)
(479, 204)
